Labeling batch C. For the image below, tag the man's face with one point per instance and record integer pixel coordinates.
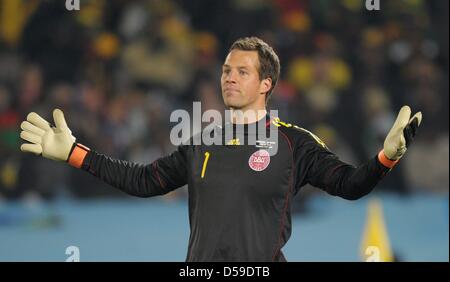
(241, 86)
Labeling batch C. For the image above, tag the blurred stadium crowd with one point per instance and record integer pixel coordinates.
(118, 68)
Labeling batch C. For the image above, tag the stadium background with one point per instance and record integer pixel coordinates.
(118, 69)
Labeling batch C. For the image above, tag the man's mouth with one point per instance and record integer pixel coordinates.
(230, 91)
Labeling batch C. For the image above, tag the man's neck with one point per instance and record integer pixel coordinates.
(247, 116)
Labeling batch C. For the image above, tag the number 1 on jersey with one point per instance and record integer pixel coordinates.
(205, 162)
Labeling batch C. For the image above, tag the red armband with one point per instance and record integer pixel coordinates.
(385, 161)
(77, 155)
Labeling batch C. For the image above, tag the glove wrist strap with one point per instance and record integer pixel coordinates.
(385, 161)
(77, 155)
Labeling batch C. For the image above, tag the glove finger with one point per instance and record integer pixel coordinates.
(410, 131)
(30, 137)
(32, 148)
(38, 121)
(418, 115)
(27, 126)
(403, 118)
(58, 117)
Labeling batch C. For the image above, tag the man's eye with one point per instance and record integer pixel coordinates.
(242, 72)
(226, 71)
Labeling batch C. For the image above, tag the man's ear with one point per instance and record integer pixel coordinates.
(265, 85)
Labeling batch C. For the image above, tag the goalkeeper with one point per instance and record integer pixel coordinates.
(239, 196)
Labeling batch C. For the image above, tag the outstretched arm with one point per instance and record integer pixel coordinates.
(327, 172)
(58, 143)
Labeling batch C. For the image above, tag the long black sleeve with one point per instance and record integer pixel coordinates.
(324, 170)
(157, 178)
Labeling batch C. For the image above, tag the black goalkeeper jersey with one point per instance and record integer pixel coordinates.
(239, 195)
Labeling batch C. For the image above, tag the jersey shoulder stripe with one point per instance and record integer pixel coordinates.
(295, 129)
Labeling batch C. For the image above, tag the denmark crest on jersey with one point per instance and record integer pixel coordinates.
(259, 160)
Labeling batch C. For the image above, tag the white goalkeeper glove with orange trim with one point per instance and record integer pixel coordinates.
(55, 143)
(400, 136)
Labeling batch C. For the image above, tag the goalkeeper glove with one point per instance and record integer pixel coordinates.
(399, 137)
(55, 143)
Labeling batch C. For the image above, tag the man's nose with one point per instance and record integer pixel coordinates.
(231, 77)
